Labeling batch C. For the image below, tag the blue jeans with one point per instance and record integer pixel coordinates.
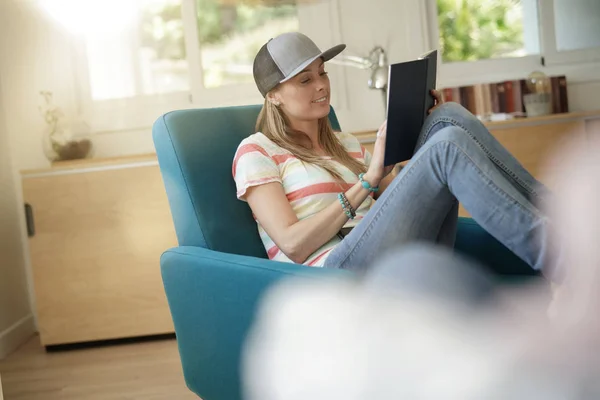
(456, 160)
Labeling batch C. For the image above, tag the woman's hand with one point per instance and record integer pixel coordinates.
(438, 100)
(377, 170)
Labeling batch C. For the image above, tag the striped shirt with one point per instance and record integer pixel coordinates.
(308, 188)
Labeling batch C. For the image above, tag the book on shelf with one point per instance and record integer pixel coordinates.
(498, 100)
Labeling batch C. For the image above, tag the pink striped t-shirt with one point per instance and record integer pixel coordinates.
(308, 188)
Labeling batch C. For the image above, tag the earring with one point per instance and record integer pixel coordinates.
(276, 103)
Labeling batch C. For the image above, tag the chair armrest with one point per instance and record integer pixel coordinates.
(213, 297)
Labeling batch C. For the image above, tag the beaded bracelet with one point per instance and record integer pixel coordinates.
(352, 210)
(341, 198)
(366, 184)
(346, 206)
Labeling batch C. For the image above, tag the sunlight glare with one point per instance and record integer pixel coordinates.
(92, 17)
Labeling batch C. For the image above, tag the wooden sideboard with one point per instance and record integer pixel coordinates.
(100, 228)
(535, 142)
(102, 224)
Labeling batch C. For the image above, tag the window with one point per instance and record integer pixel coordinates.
(144, 55)
(501, 39)
(231, 34)
(577, 24)
(471, 30)
(140, 52)
(159, 55)
(163, 66)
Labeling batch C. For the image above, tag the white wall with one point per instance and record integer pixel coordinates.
(397, 27)
(34, 57)
(16, 321)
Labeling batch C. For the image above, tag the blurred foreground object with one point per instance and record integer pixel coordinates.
(427, 324)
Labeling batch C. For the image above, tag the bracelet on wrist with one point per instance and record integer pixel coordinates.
(367, 185)
(346, 206)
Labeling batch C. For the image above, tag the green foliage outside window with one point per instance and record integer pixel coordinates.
(473, 30)
(162, 27)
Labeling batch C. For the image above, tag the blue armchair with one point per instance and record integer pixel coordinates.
(215, 278)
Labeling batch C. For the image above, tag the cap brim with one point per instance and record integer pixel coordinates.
(326, 55)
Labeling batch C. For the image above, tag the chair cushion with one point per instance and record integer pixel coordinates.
(195, 150)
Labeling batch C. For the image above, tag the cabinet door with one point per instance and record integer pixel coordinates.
(538, 147)
(95, 254)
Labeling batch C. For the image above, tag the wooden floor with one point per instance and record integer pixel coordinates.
(149, 371)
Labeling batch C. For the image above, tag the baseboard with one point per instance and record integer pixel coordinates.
(16, 335)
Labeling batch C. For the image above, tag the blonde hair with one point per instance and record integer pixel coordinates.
(273, 123)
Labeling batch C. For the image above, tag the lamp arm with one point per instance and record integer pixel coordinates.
(352, 61)
(376, 61)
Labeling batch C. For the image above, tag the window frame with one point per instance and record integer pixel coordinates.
(471, 72)
(140, 112)
(548, 41)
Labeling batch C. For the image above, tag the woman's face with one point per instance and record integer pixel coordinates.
(306, 96)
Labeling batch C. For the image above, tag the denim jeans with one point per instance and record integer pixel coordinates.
(456, 160)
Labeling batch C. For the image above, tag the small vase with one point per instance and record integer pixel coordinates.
(538, 104)
(50, 146)
(58, 146)
(58, 142)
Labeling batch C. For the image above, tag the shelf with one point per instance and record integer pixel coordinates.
(369, 135)
(88, 164)
(546, 119)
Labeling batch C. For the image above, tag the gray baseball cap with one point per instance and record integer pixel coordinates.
(284, 57)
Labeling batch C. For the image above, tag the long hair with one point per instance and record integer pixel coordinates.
(273, 123)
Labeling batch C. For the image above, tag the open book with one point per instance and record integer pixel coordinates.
(409, 98)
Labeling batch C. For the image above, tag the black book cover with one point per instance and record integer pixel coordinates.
(409, 100)
(563, 94)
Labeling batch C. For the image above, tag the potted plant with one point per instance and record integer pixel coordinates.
(58, 141)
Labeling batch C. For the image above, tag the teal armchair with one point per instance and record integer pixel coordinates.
(215, 278)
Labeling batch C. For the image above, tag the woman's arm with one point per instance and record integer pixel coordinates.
(299, 239)
(385, 182)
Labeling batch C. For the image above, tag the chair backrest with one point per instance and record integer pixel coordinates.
(195, 150)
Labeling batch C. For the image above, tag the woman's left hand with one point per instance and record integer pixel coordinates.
(377, 170)
(438, 100)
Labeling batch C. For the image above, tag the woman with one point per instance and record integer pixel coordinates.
(307, 186)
